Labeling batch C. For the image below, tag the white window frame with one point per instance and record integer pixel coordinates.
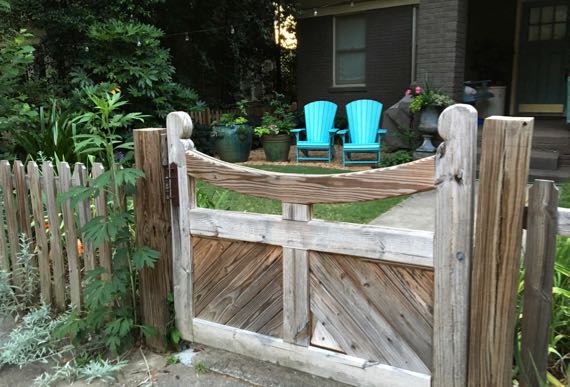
(363, 84)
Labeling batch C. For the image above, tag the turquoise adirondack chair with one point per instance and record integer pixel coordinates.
(319, 122)
(363, 133)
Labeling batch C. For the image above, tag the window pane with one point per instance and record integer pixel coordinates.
(546, 32)
(533, 33)
(534, 15)
(351, 67)
(560, 31)
(350, 33)
(547, 14)
(561, 14)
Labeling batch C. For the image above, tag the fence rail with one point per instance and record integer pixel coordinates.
(208, 116)
(30, 207)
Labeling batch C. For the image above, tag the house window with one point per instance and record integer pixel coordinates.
(547, 23)
(349, 51)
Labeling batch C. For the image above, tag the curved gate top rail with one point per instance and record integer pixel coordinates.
(374, 184)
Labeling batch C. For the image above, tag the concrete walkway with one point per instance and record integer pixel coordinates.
(417, 213)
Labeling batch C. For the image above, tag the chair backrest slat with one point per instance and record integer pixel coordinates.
(363, 120)
(319, 118)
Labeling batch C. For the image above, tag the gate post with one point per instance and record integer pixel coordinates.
(504, 168)
(178, 132)
(152, 215)
(455, 177)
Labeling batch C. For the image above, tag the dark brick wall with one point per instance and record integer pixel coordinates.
(441, 44)
(388, 59)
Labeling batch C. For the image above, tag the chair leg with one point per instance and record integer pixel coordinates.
(297, 154)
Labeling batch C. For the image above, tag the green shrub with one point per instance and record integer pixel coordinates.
(396, 158)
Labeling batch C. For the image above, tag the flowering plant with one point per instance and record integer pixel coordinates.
(427, 97)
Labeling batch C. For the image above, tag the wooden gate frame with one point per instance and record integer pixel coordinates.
(448, 252)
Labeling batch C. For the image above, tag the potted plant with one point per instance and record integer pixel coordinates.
(274, 130)
(232, 136)
(429, 103)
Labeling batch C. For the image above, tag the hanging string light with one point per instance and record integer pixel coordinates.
(315, 12)
(232, 30)
(86, 48)
(139, 43)
(186, 37)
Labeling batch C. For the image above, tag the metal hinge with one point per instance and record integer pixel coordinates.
(171, 184)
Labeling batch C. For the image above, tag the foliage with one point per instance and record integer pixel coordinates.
(110, 311)
(32, 340)
(129, 55)
(429, 97)
(396, 158)
(280, 121)
(69, 372)
(53, 138)
(15, 300)
(16, 54)
(172, 359)
(201, 368)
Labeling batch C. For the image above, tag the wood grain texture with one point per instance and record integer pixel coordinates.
(22, 200)
(373, 311)
(101, 210)
(83, 210)
(408, 247)
(539, 273)
(298, 212)
(327, 364)
(152, 216)
(238, 283)
(178, 131)
(455, 182)
(381, 183)
(42, 247)
(56, 248)
(71, 252)
(11, 215)
(503, 174)
(4, 254)
(563, 222)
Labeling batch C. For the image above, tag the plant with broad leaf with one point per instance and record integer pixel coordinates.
(110, 311)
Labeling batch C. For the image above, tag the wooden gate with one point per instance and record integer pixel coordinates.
(361, 304)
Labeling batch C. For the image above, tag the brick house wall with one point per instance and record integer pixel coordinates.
(442, 27)
(388, 59)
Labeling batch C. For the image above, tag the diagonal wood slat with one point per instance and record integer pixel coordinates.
(374, 311)
(239, 284)
(380, 183)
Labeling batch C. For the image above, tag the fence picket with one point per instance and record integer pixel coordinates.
(70, 236)
(21, 188)
(56, 251)
(101, 210)
(4, 256)
(11, 216)
(40, 231)
(79, 179)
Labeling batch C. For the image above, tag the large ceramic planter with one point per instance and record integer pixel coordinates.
(428, 128)
(233, 143)
(276, 147)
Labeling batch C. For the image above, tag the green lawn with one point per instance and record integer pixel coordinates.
(564, 195)
(363, 212)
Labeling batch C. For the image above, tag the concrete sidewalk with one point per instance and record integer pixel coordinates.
(417, 213)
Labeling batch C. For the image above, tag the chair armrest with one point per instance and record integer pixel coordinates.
(342, 132)
(382, 131)
(296, 130)
(333, 130)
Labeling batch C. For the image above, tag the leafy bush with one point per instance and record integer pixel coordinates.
(429, 97)
(396, 158)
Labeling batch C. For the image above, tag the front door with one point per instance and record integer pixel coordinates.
(544, 57)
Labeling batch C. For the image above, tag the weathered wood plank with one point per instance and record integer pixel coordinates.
(4, 254)
(80, 179)
(406, 247)
(503, 174)
(381, 183)
(22, 198)
(56, 249)
(563, 221)
(327, 364)
(296, 308)
(359, 328)
(42, 247)
(321, 337)
(539, 273)
(71, 250)
(101, 210)
(178, 130)
(152, 216)
(455, 181)
(10, 212)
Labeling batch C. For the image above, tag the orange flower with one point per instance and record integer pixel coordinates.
(46, 225)
(80, 247)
